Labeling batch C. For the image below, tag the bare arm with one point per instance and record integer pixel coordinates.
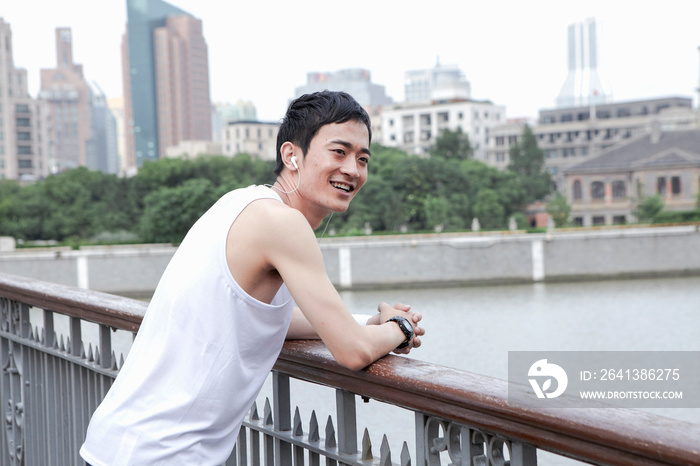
(292, 249)
(300, 328)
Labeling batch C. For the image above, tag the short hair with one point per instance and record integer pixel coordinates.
(308, 113)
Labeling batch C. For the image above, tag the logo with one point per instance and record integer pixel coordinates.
(544, 370)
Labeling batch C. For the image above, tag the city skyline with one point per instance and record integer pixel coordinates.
(516, 62)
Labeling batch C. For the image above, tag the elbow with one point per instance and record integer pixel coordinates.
(354, 360)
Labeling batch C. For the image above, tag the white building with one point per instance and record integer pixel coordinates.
(583, 85)
(355, 81)
(192, 148)
(413, 127)
(256, 138)
(438, 83)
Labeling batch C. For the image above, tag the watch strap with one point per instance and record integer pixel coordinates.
(406, 327)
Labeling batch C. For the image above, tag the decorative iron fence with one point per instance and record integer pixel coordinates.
(51, 383)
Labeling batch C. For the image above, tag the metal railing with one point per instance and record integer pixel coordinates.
(51, 385)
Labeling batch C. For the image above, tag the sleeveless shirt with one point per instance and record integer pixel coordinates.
(202, 354)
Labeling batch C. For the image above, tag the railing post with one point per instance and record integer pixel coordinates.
(105, 347)
(347, 422)
(282, 413)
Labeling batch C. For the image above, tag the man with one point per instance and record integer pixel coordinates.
(248, 275)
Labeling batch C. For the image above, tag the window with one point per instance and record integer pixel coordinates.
(25, 163)
(619, 189)
(619, 220)
(598, 220)
(661, 185)
(21, 122)
(578, 192)
(578, 221)
(597, 190)
(22, 108)
(500, 140)
(675, 185)
(24, 150)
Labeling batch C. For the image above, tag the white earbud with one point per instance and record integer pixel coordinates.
(294, 162)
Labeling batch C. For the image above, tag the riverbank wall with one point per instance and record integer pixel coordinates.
(433, 260)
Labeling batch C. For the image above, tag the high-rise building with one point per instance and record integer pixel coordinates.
(583, 86)
(442, 82)
(23, 120)
(102, 153)
(116, 106)
(166, 80)
(355, 81)
(67, 94)
(82, 130)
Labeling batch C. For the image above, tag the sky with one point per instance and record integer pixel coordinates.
(513, 52)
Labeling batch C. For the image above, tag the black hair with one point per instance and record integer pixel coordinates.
(308, 113)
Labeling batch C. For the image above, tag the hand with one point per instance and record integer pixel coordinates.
(387, 311)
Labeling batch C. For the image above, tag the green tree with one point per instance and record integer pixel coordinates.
(489, 210)
(9, 191)
(436, 212)
(452, 145)
(527, 162)
(169, 213)
(559, 209)
(649, 208)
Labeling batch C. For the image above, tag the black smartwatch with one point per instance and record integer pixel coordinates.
(405, 327)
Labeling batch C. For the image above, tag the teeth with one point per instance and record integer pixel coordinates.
(342, 186)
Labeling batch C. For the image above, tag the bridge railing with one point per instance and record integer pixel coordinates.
(58, 361)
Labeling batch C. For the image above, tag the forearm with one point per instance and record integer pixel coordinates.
(301, 329)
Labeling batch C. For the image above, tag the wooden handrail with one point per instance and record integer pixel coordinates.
(103, 308)
(606, 435)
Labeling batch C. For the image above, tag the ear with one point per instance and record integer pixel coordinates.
(288, 150)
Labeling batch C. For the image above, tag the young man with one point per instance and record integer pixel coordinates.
(248, 275)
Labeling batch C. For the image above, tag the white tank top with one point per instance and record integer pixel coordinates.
(203, 352)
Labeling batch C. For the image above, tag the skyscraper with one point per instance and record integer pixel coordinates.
(23, 120)
(583, 86)
(68, 97)
(166, 80)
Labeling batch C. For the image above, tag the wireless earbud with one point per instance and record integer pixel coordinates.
(294, 162)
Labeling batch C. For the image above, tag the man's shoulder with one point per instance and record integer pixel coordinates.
(271, 214)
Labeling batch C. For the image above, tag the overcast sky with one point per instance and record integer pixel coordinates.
(512, 52)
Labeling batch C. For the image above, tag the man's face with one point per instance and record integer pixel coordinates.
(335, 166)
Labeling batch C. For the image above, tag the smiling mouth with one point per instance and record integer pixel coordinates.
(342, 186)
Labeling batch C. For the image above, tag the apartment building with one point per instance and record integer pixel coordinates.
(23, 120)
(414, 126)
(256, 138)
